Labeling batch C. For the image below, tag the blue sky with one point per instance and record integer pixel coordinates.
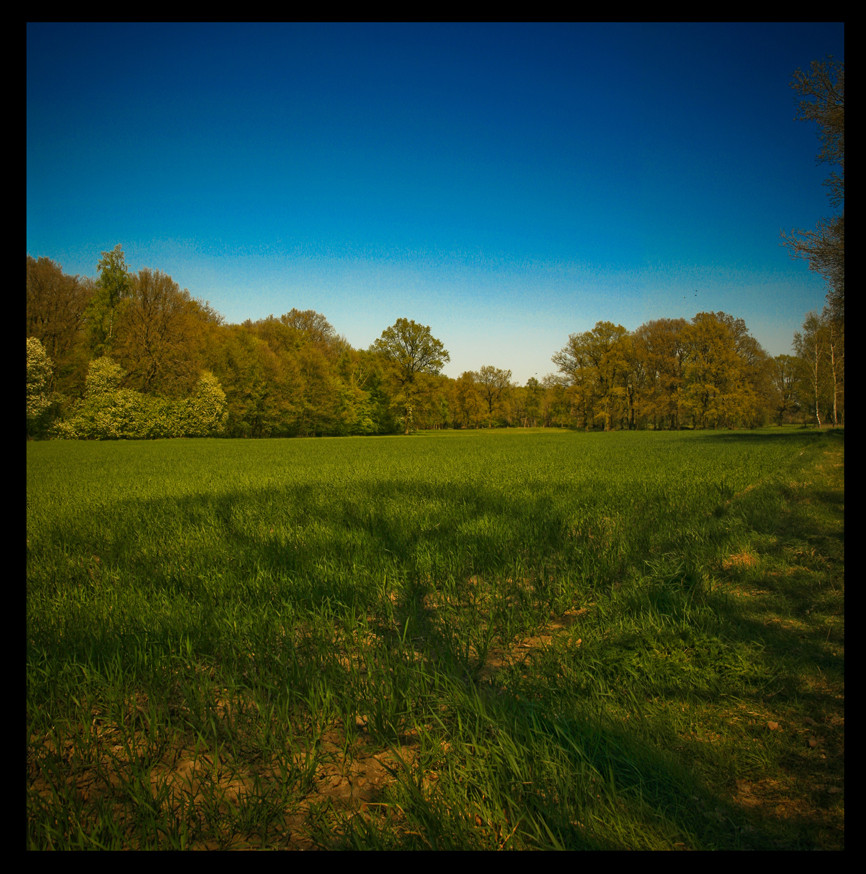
(505, 184)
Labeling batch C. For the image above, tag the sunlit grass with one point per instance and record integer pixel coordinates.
(496, 640)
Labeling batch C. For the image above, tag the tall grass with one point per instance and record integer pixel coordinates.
(453, 641)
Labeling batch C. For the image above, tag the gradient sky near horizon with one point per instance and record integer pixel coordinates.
(505, 184)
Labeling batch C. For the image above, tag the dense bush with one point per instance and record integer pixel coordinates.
(109, 412)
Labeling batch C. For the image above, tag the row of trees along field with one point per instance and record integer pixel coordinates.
(133, 355)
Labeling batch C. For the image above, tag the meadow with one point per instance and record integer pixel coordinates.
(484, 640)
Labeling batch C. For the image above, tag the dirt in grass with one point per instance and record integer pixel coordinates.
(350, 774)
(351, 777)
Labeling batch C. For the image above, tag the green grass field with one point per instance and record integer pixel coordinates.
(456, 640)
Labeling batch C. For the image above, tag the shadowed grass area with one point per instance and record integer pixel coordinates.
(452, 641)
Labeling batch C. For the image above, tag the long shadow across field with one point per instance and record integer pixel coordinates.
(529, 563)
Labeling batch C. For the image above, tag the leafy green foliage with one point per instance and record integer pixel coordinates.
(39, 371)
(110, 412)
(205, 413)
(111, 292)
(294, 376)
(412, 349)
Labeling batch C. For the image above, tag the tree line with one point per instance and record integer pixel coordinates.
(132, 355)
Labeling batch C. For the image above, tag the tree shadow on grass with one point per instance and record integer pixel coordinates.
(350, 545)
(807, 436)
(781, 603)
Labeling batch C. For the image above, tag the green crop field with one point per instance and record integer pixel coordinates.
(455, 640)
